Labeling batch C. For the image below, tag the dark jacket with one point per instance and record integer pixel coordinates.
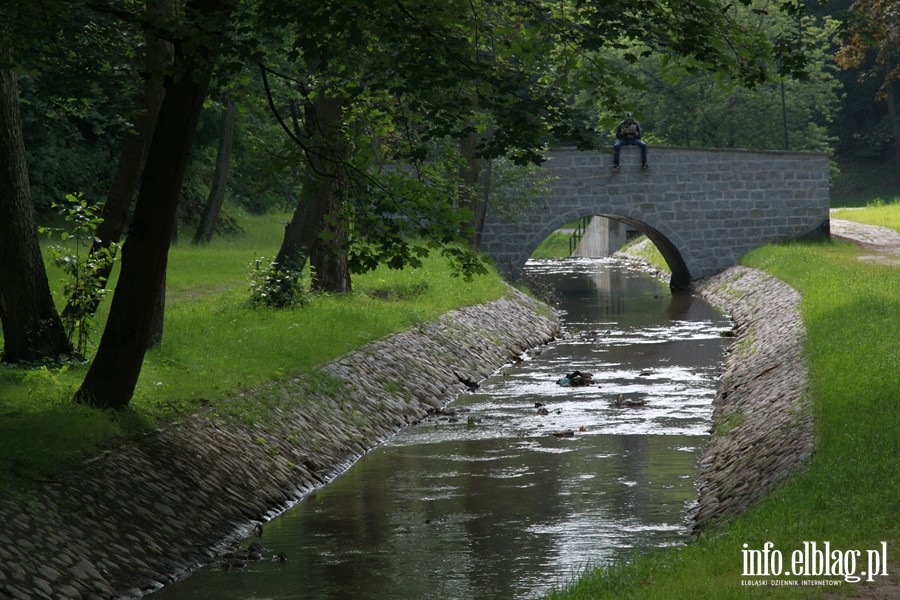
(627, 131)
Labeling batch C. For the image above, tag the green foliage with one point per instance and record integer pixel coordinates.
(274, 286)
(679, 104)
(43, 383)
(499, 77)
(81, 262)
(861, 182)
(265, 166)
(400, 217)
(77, 72)
(510, 188)
(865, 57)
(875, 140)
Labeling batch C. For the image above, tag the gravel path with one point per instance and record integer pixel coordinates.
(883, 241)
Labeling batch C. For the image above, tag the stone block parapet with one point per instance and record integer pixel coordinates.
(703, 208)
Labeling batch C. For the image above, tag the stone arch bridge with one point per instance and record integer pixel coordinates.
(703, 208)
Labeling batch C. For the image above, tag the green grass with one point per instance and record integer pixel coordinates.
(878, 212)
(848, 496)
(214, 346)
(558, 243)
(555, 245)
(647, 252)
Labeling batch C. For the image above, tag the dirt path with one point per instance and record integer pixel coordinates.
(884, 242)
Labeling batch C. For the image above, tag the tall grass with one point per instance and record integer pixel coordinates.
(215, 346)
(848, 495)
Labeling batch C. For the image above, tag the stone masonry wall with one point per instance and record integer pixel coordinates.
(762, 424)
(707, 207)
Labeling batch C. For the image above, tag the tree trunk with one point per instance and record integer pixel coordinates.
(135, 145)
(481, 215)
(112, 377)
(157, 323)
(159, 316)
(216, 197)
(470, 173)
(323, 180)
(32, 329)
(328, 257)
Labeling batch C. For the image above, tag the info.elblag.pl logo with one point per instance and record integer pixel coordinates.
(813, 560)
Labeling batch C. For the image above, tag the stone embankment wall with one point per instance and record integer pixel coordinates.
(762, 415)
(147, 511)
(763, 427)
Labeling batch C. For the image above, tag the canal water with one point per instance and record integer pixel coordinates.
(528, 482)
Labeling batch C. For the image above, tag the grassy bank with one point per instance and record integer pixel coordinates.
(214, 347)
(848, 496)
(881, 213)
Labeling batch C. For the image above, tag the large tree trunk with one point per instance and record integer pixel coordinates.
(112, 377)
(216, 197)
(470, 174)
(32, 329)
(328, 257)
(157, 323)
(321, 185)
(135, 145)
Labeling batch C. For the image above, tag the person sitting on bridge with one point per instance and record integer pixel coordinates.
(629, 133)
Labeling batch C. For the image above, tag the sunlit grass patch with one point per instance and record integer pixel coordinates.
(885, 213)
(215, 345)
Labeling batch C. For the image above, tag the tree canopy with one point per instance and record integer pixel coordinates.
(872, 25)
(379, 123)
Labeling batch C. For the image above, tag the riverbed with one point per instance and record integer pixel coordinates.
(521, 484)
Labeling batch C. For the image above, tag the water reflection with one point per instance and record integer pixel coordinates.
(499, 501)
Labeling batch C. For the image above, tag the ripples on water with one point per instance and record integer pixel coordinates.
(489, 503)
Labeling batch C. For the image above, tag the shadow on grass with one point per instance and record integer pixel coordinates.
(38, 443)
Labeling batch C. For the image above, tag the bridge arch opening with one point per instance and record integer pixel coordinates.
(680, 278)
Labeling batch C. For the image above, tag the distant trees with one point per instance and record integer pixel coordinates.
(213, 206)
(873, 25)
(680, 104)
(396, 113)
(494, 80)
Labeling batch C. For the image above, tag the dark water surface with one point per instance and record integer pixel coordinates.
(489, 503)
